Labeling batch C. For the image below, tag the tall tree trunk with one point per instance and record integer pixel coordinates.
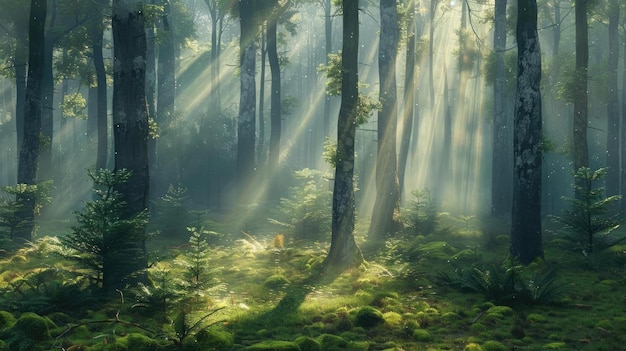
(623, 129)
(19, 62)
(47, 94)
(431, 54)
(168, 151)
(29, 152)
(130, 117)
(526, 242)
(261, 140)
(581, 149)
(612, 142)
(410, 87)
(344, 251)
(328, 40)
(275, 108)
(501, 160)
(102, 153)
(246, 127)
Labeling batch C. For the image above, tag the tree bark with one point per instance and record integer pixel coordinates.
(246, 126)
(130, 114)
(275, 96)
(526, 242)
(581, 148)
(501, 161)
(29, 152)
(344, 252)
(387, 189)
(410, 87)
(612, 142)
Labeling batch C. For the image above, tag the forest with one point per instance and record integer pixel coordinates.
(312, 175)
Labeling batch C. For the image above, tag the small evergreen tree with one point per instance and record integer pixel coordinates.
(588, 223)
(104, 242)
(173, 212)
(421, 215)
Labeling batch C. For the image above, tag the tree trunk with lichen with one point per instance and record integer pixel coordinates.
(344, 252)
(526, 242)
(130, 118)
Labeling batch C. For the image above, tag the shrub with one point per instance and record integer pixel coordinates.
(172, 212)
(587, 224)
(368, 316)
(421, 215)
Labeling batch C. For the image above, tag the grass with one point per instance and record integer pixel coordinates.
(299, 305)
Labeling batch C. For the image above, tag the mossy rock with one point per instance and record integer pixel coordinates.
(308, 344)
(392, 318)
(472, 347)
(274, 345)
(3, 346)
(492, 345)
(422, 335)
(140, 342)
(214, 339)
(6, 320)
(501, 310)
(358, 346)
(331, 342)
(368, 316)
(32, 326)
(605, 324)
(276, 281)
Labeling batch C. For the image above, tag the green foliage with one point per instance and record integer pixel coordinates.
(366, 103)
(104, 242)
(6, 320)
(468, 52)
(73, 106)
(9, 208)
(194, 261)
(274, 345)
(511, 283)
(172, 212)
(304, 213)
(421, 217)
(587, 224)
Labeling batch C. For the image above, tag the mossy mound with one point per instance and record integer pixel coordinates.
(368, 317)
(30, 332)
(422, 335)
(140, 342)
(435, 250)
(308, 344)
(214, 339)
(6, 320)
(331, 342)
(472, 347)
(276, 281)
(274, 345)
(492, 345)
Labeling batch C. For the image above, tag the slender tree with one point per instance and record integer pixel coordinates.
(30, 149)
(613, 132)
(526, 242)
(246, 125)
(501, 161)
(275, 95)
(387, 190)
(344, 252)
(130, 115)
(581, 148)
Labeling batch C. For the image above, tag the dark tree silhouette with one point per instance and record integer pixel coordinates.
(526, 242)
(30, 148)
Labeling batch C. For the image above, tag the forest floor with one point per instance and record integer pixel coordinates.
(450, 290)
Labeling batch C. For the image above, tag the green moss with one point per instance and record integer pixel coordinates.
(274, 345)
(6, 320)
(478, 327)
(275, 281)
(492, 345)
(331, 342)
(501, 310)
(421, 335)
(140, 342)
(472, 347)
(32, 326)
(358, 346)
(536, 318)
(368, 316)
(214, 339)
(308, 344)
(554, 346)
(392, 318)
(605, 324)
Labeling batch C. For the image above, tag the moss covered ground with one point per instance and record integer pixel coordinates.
(411, 294)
